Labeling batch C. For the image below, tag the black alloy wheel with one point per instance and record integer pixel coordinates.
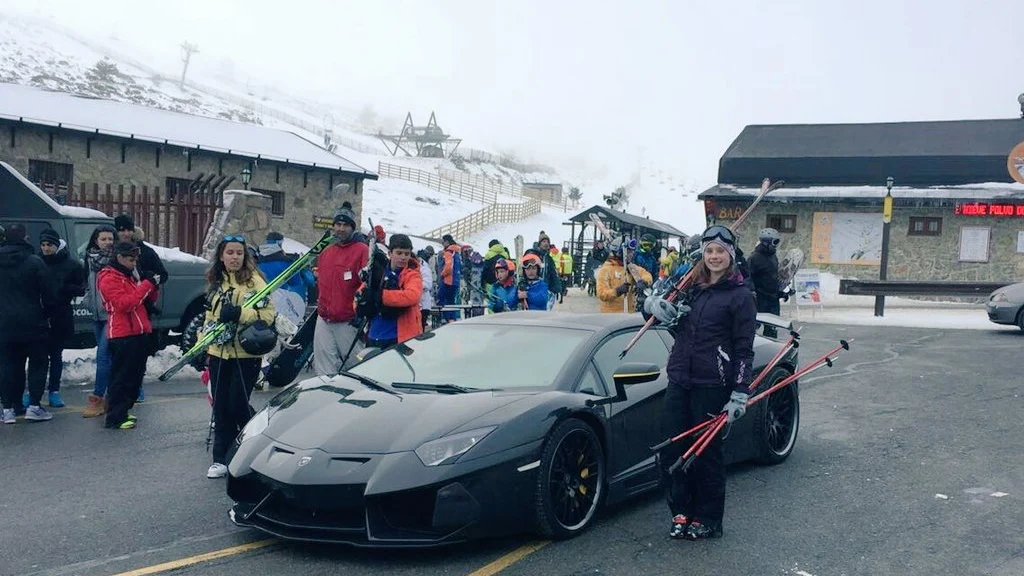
(570, 480)
(776, 436)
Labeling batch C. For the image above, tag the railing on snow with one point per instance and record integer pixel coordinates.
(483, 218)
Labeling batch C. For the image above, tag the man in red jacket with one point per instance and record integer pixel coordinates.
(337, 333)
(128, 328)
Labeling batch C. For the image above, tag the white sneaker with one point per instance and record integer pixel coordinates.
(8, 416)
(217, 471)
(37, 413)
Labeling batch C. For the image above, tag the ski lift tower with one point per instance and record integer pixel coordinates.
(429, 141)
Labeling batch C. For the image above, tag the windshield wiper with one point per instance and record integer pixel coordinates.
(442, 388)
(366, 380)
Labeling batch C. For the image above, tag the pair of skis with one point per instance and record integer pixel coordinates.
(211, 335)
(626, 262)
(684, 283)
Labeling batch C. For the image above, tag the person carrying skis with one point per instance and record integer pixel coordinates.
(231, 280)
(542, 249)
(503, 295)
(128, 330)
(595, 259)
(646, 255)
(98, 253)
(27, 297)
(616, 288)
(336, 336)
(533, 292)
(449, 276)
(273, 261)
(709, 369)
(764, 275)
(398, 317)
(69, 279)
(668, 263)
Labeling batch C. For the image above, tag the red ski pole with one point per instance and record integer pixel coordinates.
(791, 343)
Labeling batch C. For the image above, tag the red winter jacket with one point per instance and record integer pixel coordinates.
(124, 300)
(338, 280)
(407, 296)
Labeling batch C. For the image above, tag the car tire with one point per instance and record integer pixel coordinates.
(779, 420)
(568, 493)
(1020, 319)
(190, 335)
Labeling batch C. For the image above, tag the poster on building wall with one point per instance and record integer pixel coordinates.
(1020, 242)
(846, 238)
(807, 285)
(974, 243)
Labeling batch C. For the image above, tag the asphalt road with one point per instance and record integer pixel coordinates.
(905, 451)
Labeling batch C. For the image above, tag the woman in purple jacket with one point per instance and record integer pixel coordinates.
(709, 369)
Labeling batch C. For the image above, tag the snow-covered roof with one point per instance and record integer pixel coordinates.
(37, 106)
(968, 192)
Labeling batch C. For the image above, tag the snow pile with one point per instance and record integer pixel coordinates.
(410, 208)
(80, 365)
(175, 255)
(292, 246)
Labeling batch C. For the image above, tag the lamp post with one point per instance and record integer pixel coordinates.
(246, 176)
(1020, 100)
(883, 265)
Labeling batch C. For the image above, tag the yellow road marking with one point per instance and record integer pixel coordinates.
(510, 558)
(200, 558)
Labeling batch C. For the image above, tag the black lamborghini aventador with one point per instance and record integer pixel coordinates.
(493, 425)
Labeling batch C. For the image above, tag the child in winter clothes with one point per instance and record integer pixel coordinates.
(502, 295)
(533, 290)
(399, 317)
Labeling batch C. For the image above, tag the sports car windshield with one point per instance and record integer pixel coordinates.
(478, 356)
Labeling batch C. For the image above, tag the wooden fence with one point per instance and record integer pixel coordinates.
(483, 218)
(435, 182)
(179, 220)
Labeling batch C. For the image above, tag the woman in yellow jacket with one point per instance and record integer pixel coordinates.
(231, 280)
(615, 287)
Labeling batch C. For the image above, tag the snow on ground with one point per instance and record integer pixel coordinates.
(410, 208)
(916, 317)
(549, 220)
(175, 254)
(292, 246)
(80, 366)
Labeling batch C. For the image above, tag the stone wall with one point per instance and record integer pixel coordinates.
(245, 213)
(308, 192)
(910, 257)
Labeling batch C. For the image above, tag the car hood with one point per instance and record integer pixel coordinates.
(340, 415)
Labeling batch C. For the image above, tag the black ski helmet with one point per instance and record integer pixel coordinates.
(258, 338)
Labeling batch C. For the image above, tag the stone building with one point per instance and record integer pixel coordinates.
(958, 196)
(543, 191)
(62, 142)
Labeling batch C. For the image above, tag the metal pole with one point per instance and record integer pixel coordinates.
(883, 267)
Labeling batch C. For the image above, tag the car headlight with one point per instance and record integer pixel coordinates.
(998, 297)
(257, 424)
(448, 449)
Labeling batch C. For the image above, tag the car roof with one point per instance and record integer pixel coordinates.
(600, 322)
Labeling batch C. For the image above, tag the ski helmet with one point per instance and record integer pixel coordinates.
(769, 236)
(693, 245)
(258, 338)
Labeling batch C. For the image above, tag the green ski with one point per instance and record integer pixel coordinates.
(212, 334)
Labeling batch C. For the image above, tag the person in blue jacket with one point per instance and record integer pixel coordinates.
(502, 293)
(273, 261)
(533, 290)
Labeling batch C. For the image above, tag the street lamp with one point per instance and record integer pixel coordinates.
(246, 176)
(1020, 100)
(883, 265)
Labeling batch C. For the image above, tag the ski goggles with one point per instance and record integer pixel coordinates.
(773, 241)
(233, 238)
(646, 244)
(719, 233)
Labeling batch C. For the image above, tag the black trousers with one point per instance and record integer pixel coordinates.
(56, 355)
(127, 368)
(13, 356)
(232, 381)
(699, 493)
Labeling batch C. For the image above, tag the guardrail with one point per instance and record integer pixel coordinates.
(917, 288)
(485, 217)
(435, 182)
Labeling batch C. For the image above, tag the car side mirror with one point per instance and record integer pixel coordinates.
(635, 373)
(626, 375)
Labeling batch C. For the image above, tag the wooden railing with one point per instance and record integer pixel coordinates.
(435, 182)
(483, 218)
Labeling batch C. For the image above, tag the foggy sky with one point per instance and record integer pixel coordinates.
(600, 80)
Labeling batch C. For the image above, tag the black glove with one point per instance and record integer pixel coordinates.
(230, 313)
(784, 295)
(153, 277)
(622, 289)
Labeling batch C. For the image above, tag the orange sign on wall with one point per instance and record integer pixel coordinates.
(1015, 163)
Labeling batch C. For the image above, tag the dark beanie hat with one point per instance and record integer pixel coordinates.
(49, 235)
(448, 238)
(126, 249)
(400, 241)
(274, 238)
(543, 236)
(345, 215)
(493, 242)
(124, 222)
(16, 233)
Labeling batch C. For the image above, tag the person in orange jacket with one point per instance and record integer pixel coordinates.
(450, 276)
(398, 318)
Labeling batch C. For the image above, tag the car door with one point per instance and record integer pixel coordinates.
(635, 422)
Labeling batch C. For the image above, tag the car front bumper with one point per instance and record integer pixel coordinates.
(380, 500)
(1002, 312)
